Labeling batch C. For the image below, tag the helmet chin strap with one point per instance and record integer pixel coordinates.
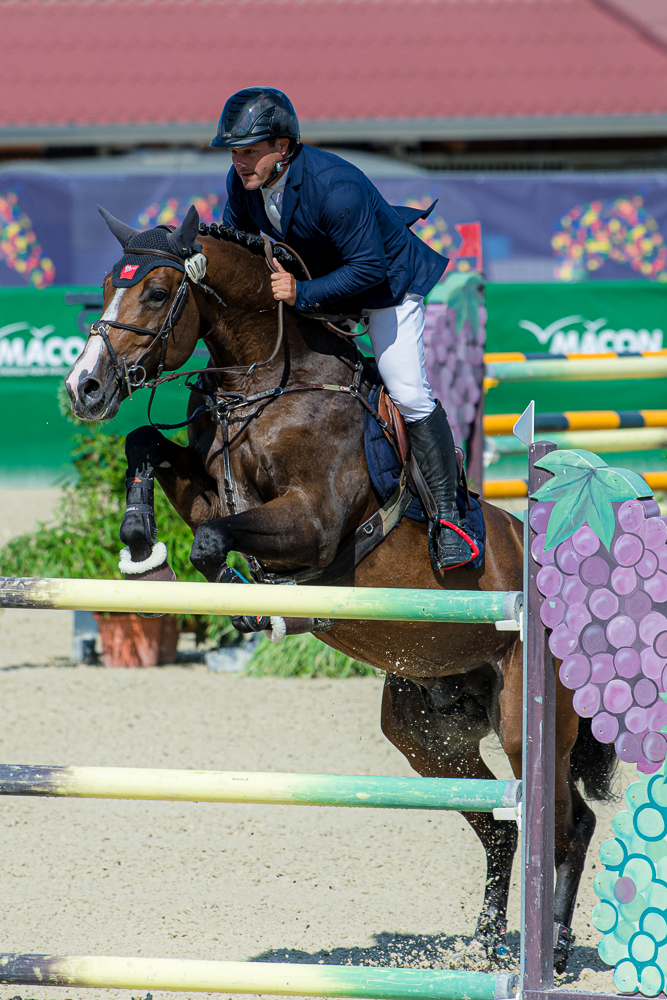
(279, 167)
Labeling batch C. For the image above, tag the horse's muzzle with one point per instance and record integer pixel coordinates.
(94, 400)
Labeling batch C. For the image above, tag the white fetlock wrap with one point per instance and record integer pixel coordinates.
(278, 629)
(157, 557)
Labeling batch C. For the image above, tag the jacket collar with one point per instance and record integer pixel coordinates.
(291, 193)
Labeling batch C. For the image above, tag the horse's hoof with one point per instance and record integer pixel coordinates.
(563, 944)
(490, 935)
(250, 623)
(155, 567)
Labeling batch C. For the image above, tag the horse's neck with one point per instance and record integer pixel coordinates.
(248, 330)
(248, 325)
(243, 337)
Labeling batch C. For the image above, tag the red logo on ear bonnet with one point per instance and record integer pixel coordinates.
(128, 271)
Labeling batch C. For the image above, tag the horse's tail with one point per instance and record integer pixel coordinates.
(593, 763)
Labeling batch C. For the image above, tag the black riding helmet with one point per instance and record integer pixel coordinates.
(255, 114)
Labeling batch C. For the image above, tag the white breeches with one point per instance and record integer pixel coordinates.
(397, 336)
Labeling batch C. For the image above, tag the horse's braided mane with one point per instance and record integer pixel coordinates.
(252, 242)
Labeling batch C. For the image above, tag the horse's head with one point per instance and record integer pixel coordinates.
(149, 323)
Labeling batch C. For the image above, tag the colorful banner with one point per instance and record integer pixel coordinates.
(534, 227)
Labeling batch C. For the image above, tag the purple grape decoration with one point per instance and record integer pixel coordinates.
(604, 588)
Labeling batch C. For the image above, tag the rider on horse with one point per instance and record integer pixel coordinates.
(364, 260)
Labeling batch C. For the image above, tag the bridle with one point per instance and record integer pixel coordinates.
(102, 328)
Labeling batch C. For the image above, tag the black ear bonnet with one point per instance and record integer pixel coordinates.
(133, 268)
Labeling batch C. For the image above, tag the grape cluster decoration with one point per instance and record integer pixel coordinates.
(632, 888)
(602, 548)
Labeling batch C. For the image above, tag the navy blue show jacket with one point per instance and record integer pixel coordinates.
(358, 249)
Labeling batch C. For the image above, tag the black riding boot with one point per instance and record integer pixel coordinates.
(433, 447)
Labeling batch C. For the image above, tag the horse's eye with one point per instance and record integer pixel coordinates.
(158, 295)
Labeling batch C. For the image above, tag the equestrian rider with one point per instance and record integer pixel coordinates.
(364, 260)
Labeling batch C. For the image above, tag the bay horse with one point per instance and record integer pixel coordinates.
(296, 486)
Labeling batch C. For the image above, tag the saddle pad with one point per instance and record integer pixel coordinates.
(385, 472)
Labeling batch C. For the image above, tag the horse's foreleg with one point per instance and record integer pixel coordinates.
(573, 831)
(438, 728)
(150, 454)
(574, 822)
(285, 533)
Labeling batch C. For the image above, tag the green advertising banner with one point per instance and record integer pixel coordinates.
(39, 341)
(40, 338)
(588, 317)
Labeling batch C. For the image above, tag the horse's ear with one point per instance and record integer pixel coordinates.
(183, 237)
(121, 230)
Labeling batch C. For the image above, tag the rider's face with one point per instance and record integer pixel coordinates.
(254, 163)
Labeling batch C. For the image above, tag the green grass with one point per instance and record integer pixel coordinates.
(304, 656)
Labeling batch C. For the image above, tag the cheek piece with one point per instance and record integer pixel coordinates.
(194, 270)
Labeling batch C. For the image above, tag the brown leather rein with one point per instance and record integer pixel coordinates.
(124, 373)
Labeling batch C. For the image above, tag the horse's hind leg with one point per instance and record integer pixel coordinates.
(438, 728)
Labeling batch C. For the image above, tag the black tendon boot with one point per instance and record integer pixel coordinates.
(433, 447)
(139, 530)
(144, 558)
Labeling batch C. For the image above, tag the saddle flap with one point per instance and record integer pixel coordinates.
(397, 432)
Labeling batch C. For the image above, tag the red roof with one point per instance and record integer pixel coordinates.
(121, 61)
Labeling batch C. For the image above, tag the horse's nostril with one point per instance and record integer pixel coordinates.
(89, 388)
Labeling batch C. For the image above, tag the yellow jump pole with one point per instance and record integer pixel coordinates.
(496, 424)
(268, 788)
(161, 597)
(254, 977)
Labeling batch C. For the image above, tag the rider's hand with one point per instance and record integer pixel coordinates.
(283, 284)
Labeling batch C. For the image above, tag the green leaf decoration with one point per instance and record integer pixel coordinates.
(464, 292)
(560, 527)
(560, 486)
(583, 489)
(623, 480)
(574, 458)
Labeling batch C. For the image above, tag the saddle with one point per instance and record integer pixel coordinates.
(396, 433)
